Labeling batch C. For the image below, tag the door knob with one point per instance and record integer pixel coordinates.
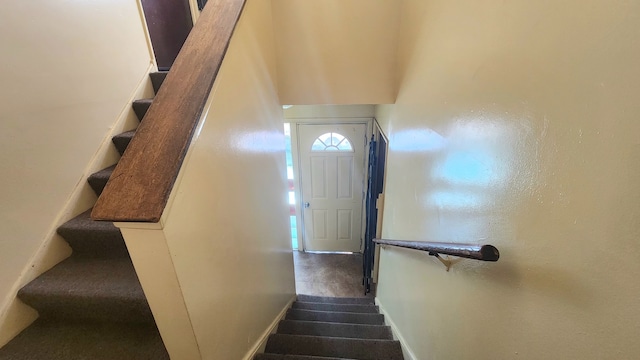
(306, 205)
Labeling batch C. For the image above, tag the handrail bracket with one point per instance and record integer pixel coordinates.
(446, 262)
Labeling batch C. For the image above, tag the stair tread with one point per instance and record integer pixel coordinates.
(336, 300)
(98, 180)
(141, 106)
(86, 341)
(83, 222)
(330, 329)
(103, 278)
(333, 316)
(355, 308)
(143, 101)
(89, 289)
(294, 357)
(93, 238)
(364, 349)
(121, 141)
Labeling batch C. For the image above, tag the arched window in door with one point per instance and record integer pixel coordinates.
(332, 142)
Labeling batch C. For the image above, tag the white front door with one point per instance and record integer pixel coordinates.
(332, 173)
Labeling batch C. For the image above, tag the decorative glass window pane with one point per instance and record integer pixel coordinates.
(331, 142)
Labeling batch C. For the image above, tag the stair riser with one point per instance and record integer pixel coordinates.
(140, 107)
(121, 142)
(108, 291)
(334, 347)
(47, 340)
(99, 246)
(292, 357)
(316, 328)
(65, 308)
(334, 300)
(366, 309)
(351, 318)
(98, 184)
(90, 238)
(157, 78)
(98, 180)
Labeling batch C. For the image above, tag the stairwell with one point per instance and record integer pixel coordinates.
(326, 328)
(91, 305)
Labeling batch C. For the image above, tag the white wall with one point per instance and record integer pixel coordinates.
(218, 269)
(66, 75)
(516, 124)
(336, 51)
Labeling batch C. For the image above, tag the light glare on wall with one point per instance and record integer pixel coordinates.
(417, 140)
(260, 142)
(468, 168)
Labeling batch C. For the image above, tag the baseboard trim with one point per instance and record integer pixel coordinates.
(406, 350)
(259, 346)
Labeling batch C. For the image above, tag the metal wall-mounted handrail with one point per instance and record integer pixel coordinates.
(469, 251)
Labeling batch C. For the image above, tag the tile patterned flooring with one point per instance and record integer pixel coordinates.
(329, 274)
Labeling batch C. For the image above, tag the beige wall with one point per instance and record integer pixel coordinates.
(66, 75)
(316, 112)
(223, 245)
(336, 51)
(516, 124)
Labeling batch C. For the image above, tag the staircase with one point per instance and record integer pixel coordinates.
(324, 328)
(91, 305)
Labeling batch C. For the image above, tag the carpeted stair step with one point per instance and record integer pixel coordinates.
(90, 238)
(157, 78)
(337, 317)
(91, 305)
(121, 141)
(108, 290)
(336, 300)
(363, 349)
(141, 106)
(98, 180)
(318, 328)
(95, 341)
(293, 357)
(336, 307)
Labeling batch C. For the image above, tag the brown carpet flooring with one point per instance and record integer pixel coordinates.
(332, 328)
(336, 275)
(91, 305)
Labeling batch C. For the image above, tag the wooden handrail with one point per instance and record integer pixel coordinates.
(477, 252)
(139, 187)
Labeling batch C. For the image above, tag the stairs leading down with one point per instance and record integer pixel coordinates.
(325, 328)
(91, 305)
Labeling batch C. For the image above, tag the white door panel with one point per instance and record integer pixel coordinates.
(332, 174)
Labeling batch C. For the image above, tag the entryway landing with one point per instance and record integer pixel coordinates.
(336, 275)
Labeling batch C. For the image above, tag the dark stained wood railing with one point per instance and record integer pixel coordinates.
(139, 187)
(477, 252)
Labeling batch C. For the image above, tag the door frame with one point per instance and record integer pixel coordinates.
(377, 131)
(368, 122)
